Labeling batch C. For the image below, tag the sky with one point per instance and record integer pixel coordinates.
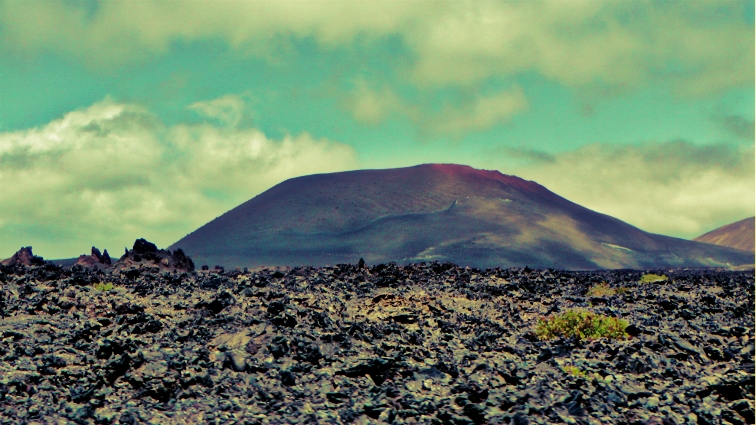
(122, 119)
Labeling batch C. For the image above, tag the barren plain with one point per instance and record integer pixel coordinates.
(422, 343)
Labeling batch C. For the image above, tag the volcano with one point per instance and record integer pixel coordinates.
(434, 212)
(738, 235)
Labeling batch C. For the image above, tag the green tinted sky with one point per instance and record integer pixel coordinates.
(124, 119)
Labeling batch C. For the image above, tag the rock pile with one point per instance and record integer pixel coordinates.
(429, 343)
(147, 257)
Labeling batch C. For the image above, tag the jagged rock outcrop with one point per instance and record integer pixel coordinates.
(24, 257)
(95, 260)
(145, 254)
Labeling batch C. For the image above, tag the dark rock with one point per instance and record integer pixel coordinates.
(142, 246)
(117, 367)
(288, 378)
(379, 369)
(520, 418)
(337, 397)
(634, 391)
(217, 305)
(145, 254)
(276, 307)
(632, 330)
(744, 409)
(682, 344)
(475, 412)
(181, 261)
(441, 344)
(235, 361)
(545, 354)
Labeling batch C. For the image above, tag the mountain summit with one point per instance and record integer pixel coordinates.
(429, 212)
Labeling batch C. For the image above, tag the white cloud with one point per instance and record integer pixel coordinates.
(673, 188)
(701, 47)
(372, 105)
(473, 111)
(229, 110)
(113, 172)
(480, 113)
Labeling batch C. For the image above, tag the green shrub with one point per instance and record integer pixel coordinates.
(103, 286)
(574, 371)
(581, 325)
(601, 290)
(652, 278)
(622, 290)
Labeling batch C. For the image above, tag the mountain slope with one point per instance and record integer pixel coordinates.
(738, 235)
(430, 212)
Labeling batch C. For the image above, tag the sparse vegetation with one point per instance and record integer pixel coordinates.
(601, 290)
(653, 278)
(581, 325)
(604, 290)
(103, 287)
(574, 371)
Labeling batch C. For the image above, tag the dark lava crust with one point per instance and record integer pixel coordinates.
(429, 343)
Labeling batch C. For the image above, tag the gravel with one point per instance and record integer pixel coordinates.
(425, 343)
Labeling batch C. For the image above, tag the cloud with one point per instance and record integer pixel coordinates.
(112, 172)
(520, 155)
(119, 31)
(739, 126)
(479, 113)
(229, 110)
(469, 111)
(700, 47)
(372, 105)
(674, 188)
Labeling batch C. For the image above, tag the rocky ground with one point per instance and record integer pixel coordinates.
(429, 343)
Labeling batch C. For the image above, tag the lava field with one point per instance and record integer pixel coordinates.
(424, 343)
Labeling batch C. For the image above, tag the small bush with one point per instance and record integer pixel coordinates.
(622, 290)
(103, 286)
(601, 290)
(581, 325)
(574, 371)
(652, 278)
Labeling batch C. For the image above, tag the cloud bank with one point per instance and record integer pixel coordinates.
(700, 47)
(672, 188)
(112, 172)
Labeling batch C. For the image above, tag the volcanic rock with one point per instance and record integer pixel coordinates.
(95, 259)
(218, 346)
(24, 257)
(146, 255)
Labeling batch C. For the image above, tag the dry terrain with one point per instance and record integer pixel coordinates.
(428, 343)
